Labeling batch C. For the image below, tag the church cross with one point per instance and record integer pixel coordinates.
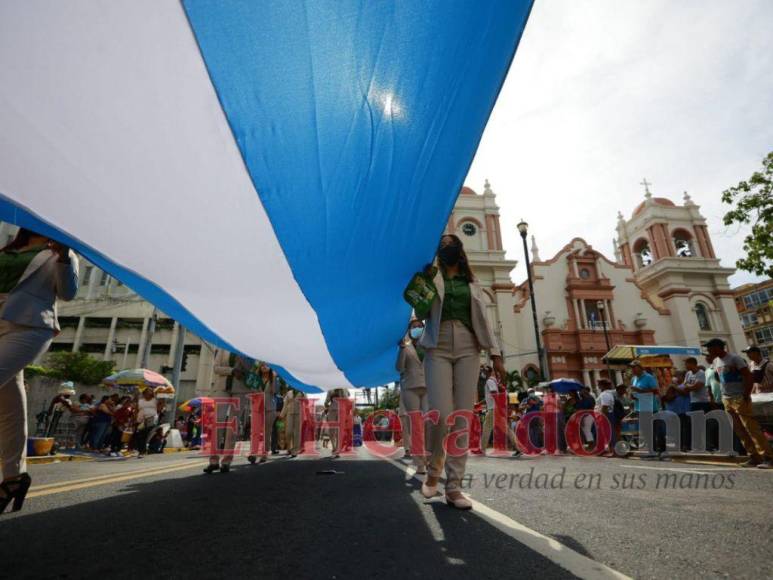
(646, 185)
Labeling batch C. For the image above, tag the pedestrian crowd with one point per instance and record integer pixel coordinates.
(112, 424)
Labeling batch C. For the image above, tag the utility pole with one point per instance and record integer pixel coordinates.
(179, 349)
(523, 229)
(149, 339)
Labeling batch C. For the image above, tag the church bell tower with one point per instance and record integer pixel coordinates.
(669, 249)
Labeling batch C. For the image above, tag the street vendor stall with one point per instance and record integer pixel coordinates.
(656, 360)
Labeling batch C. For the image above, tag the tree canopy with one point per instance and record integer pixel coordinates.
(752, 202)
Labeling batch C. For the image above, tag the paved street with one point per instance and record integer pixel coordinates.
(162, 516)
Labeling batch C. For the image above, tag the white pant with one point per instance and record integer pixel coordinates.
(452, 371)
(414, 400)
(19, 346)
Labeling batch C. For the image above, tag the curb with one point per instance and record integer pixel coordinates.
(44, 459)
(707, 458)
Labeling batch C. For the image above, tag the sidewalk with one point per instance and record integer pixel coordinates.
(80, 455)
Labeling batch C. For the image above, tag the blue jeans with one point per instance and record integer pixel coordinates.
(98, 432)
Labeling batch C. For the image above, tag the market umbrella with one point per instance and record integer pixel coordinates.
(140, 378)
(565, 385)
(314, 135)
(191, 405)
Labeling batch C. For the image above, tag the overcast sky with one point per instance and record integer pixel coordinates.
(603, 93)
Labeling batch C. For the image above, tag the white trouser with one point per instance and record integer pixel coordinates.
(19, 346)
(451, 370)
(414, 400)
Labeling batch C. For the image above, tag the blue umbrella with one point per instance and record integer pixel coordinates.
(565, 385)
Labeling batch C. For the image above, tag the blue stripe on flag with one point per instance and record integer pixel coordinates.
(151, 292)
(358, 121)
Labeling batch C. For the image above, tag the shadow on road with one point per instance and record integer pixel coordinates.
(276, 520)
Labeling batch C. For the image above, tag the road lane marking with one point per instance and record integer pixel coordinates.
(574, 562)
(106, 475)
(94, 482)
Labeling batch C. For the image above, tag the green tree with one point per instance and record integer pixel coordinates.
(753, 204)
(390, 399)
(78, 367)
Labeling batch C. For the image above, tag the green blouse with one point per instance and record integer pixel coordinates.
(457, 301)
(12, 266)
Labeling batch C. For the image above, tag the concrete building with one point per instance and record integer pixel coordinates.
(755, 307)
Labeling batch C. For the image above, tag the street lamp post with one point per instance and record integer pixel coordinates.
(523, 229)
(602, 307)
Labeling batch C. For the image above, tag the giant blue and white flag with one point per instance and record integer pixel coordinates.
(269, 172)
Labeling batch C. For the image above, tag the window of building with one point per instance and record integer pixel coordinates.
(701, 312)
(643, 253)
(97, 322)
(469, 229)
(593, 314)
(129, 323)
(764, 335)
(164, 324)
(104, 279)
(683, 244)
(192, 349)
(92, 347)
(159, 349)
(757, 298)
(585, 273)
(68, 321)
(60, 347)
(532, 375)
(749, 319)
(87, 275)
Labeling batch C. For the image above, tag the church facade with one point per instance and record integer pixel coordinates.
(664, 286)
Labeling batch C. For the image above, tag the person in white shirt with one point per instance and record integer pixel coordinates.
(761, 369)
(491, 388)
(147, 419)
(605, 405)
(695, 384)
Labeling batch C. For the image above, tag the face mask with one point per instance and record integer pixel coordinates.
(416, 332)
(449, 255)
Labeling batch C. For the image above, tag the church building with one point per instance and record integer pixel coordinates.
(664, 286)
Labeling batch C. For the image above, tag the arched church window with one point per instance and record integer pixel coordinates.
(683, 244)
(701, 312)
(532, 375)
(643, 253)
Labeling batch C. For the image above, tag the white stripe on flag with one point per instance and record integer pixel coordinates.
(111, 131)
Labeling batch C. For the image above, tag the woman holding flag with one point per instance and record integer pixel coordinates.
(457, 329)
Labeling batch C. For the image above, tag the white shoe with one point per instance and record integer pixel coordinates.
(462, 502)
(428, 491)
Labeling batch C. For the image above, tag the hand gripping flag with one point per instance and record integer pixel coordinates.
(269, 173)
